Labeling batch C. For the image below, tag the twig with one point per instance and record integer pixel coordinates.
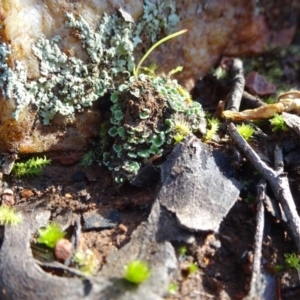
(251, 101)
(57, 265)
(256, 287)
(278, 182)
(234, 97)
(278, 159)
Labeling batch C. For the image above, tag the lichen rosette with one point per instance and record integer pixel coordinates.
(148, 116)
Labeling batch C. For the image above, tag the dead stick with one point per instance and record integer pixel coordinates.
(254, 292)
(234, 97)
(278, 182)
(278, 159)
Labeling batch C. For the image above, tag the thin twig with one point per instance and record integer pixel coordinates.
(278, 182)
(255, 286)
(278, 159)
(234, 97)
(250, 101)
(59, 266)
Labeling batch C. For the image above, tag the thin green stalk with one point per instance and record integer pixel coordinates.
(136, 69)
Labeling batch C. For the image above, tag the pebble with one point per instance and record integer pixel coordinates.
(7, 197)
(122, 228)
(26, 193)
(63, 250)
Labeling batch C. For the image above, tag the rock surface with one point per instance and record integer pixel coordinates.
(215, 28)
(197, 187)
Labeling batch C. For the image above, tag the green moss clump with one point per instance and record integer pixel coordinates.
(31, 167)
(137, 272)
(8, 216)
(50, 235)
(148, 117)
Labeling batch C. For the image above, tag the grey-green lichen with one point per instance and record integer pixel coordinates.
(146, 117)
(66, 83)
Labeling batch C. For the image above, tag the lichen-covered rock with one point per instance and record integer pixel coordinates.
(58, 57)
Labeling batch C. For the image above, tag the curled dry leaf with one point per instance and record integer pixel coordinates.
(286, 102)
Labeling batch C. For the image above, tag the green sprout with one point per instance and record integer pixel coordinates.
(192, 268)
(292, 260)
(87, 262)
(176, 70)
(8, 216)
(137, 69)
(278, 268)
(173, 288)
(278, 123)
(88, 159)
(182, 250)
(180, 129)
(50, 235)
(245, 130)
(137, 271)
(31, 167)
(150, 70)
(214, 125)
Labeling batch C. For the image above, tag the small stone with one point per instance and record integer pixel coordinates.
(68, 196)
(7, 197)
(258, 85)
(93, 220)
(122, 228)
(63, 250)
(27, 193)
(79, 176)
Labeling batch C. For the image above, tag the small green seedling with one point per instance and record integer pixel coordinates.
(175, 71)
(31, 167)
(87, 262)
(137, 69)
(182, 250)
(278, 123)
(88, 159)
(8, 216)
(192, 268)
(173, 288)
(137, 271)
(50, 235)
(292, 260)
(245, 130)
(214, 125)
(279, 268)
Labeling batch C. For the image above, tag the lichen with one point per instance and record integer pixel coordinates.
(147, 117)
(66, 84)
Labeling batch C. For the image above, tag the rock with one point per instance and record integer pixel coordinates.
(258, 85)
(122, 228)
(197, 186)
(79, 176)
(63, 250)
(215, 28)
(7, 197)
(94, 220)
(26, 193)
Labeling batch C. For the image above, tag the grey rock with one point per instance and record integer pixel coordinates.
(196, 187)
(95, 220)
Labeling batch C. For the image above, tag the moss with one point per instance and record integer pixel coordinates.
(170, 115)
(31, 167)
(137, 271)
(8, 216)
(50, 235)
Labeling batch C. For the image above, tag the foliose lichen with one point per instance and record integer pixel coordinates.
(66, 83)
(146, 118)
